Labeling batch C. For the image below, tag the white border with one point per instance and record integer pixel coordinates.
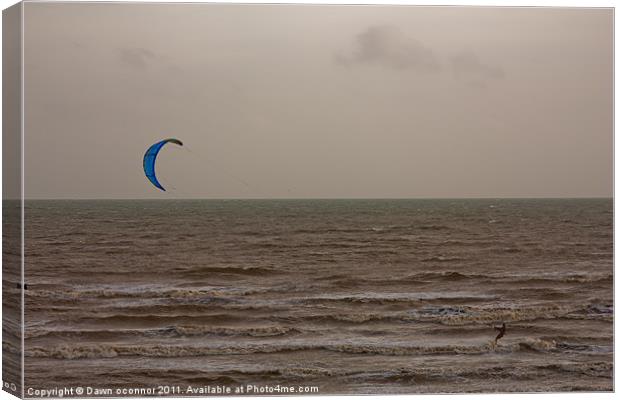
(23, 240)
(482, 3)
(444, 3)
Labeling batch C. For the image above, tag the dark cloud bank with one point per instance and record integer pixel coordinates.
(388, 46)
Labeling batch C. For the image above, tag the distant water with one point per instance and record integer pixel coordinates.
(351, 296)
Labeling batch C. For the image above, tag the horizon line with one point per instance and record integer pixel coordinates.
(314, 198)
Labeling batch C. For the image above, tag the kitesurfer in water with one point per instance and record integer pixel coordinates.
(501, 330)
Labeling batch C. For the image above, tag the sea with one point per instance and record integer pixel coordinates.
(319, 296)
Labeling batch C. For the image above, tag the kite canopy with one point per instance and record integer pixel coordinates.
(149, 160)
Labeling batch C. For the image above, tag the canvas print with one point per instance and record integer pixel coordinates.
(254, 199)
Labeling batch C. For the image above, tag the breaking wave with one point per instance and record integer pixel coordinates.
(172, 351)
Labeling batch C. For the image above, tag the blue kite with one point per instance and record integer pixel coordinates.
(149, 160)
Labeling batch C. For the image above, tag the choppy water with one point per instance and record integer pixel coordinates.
(352, 296)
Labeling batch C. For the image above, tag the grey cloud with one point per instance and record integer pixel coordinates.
(468, 66)
(136, 57)
(388, 46)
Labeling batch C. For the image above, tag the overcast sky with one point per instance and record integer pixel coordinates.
(317, 101)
